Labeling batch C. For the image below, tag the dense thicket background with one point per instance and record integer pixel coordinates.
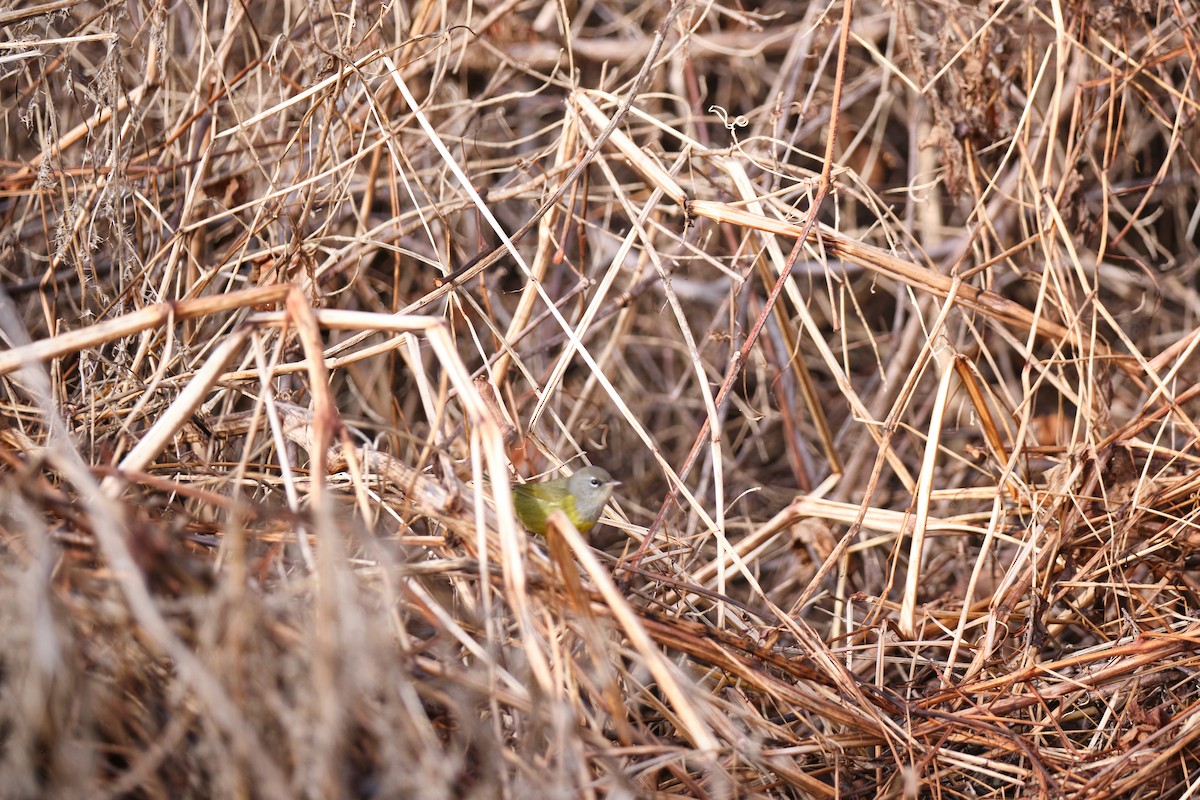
(290, 291)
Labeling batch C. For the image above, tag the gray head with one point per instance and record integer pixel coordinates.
(591, 487)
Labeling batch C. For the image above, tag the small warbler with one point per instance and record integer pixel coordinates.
(581, 497)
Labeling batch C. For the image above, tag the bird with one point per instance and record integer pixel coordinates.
(581, 497)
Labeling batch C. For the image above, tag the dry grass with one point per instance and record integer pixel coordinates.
(888, 329)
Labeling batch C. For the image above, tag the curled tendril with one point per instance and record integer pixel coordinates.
(740, 121)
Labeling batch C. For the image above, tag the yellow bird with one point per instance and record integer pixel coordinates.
(581, 497)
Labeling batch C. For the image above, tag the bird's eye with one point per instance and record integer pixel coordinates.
(595, 481)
